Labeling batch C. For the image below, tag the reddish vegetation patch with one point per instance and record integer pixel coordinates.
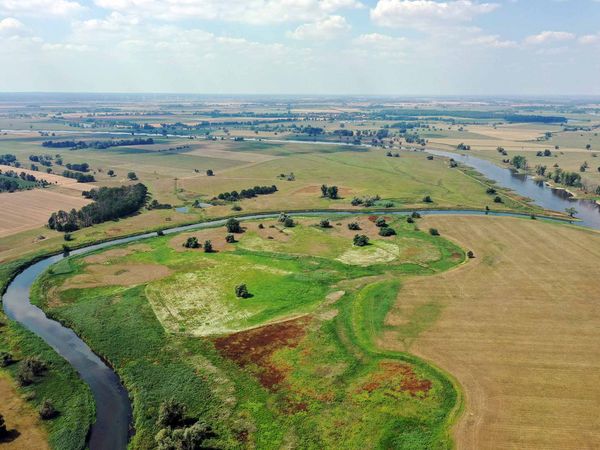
(255, 348)
(396, 377)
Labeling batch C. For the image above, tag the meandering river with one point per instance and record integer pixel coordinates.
(113, 407)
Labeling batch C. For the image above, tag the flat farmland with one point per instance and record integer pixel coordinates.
(25, 210)
(518, 326)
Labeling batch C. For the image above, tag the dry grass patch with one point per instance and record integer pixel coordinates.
(519, 327)
(115, 253)
(96, 275)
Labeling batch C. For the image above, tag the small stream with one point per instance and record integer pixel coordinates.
(112, 428)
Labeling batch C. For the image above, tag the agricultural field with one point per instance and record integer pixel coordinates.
(516, 327)
(298, 354)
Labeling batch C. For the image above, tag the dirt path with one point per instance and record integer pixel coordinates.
(519, 327)
(19, 416)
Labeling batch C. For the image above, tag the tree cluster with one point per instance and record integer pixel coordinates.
(109, 203)
(329, 192)
(78, 145)
(83, 167)
(177, 434)
(247, 193)
(80, 177)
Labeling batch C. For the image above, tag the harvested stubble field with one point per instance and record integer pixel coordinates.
(519, 327)
(299, 355)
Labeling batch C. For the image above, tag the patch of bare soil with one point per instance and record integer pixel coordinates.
(22, 422)
(254, 348)
(117, 275)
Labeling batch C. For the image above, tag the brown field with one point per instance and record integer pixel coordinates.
(21, 420)
(25, 210)
(519, 328)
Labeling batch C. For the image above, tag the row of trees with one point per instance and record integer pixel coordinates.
(247, 193)
(77, 145)
(80, 177)
(83, 167)
(109, 203)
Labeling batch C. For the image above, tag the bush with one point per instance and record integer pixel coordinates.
(427, 199)
(324, 223)
(380, 222)
(497, 199)
(30, 369)
(160, 233)
(389, 204)
(434, 232)
(208, 248)
(470, 254)
(360, 240)
(289, 222)
(410, 219)
(67, 237)
(47, 410)
(233, 226)
(241, 291)
(230, 238)
(387, 231)
(192, 242)
(261, 226)
(6, 359)
(3, 430)
(171, 414)
(415, 215)
(210, 173)
(354, 226)
(132, 176)
(236, 208)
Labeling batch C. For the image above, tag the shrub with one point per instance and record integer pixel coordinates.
(415, 215)
(380, 222)
(233, 226)
(67, 237)
(171, 414)
(261, 226)
(427, 199)
(360, 240)
(192, 242)
(6, 359)
(160, 233)
(389, 204)
(230, 238)
(241, 291)
(236, 208)
(132, 176)
(208, 248)
(324, 223)
(470, 254)
(354, 226)
(497, 199)
(490, 191)
(210, 173)
(30, 369)
(387, 231)
(434, 232)
(3, 430)
(410, 219)
(47, 410)
(289, 222)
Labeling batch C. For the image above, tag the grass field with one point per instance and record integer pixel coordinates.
(299, 355)
(518, 327)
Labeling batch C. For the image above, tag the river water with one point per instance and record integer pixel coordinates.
(113, 408)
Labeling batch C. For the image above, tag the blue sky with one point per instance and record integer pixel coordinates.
(378, 47)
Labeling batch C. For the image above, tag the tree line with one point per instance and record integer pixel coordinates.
(109, 203)
(247, 193)
(78, 145)
(80, 177)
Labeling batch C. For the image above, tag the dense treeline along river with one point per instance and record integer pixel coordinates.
(113, 408)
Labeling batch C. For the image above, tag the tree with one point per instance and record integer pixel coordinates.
(67, 237)
(434, 232)
(171, 414)
(380, 222)
(289, 222)
(6, 359)
(323, 190)
(332, 192)
(354, 226)
(360, 240)
(132, 176)
(208, 248)
(47, 410)
(387, 231)
(571, 211)
(191, 242)
(210, 173)
(427, 199)
(110, 173)
(233, 226)
(519, 162)
(3, 430)
(470, 254)
(324, 223)
(241, 291)
(29, 369)
(230, 238)
(497, 199)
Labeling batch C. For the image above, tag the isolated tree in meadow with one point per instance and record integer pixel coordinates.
(360, 240)
(208, 248)
(241, 291)
(233, 226)
(470, 254)
(110, 173)
(171, 414)
(519, 162)
(132, 176)
(427, 199)
(210, 173)
(191, 242)
(353, 226)
(230, 238)
(332, 192)
(588, 147)
(324, 223)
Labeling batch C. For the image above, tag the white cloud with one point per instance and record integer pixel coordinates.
(256, 12)
(548, 37)
(40, 7)
(10, 25)
(590, 39)
(380, 46)
(427, 13)
(327, 28)
(493, 41)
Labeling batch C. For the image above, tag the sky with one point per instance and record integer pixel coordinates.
(343, 47)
